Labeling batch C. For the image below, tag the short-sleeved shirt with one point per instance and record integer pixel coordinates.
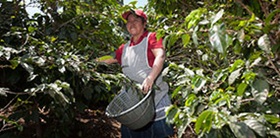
(153, 43)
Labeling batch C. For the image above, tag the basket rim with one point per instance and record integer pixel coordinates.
(133, 107)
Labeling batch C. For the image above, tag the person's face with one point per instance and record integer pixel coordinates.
(135, 25)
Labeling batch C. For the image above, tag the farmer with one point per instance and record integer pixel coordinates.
(142, 60)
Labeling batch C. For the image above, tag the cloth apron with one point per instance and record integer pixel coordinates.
(135, 66)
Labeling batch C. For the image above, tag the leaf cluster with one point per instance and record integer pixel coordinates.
(223, 70)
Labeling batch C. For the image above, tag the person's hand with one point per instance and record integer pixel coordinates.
(147, 85)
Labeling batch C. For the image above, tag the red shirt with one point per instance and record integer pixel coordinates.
(153, 43)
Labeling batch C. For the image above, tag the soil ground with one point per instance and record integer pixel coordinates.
(97, 124)
(92, 124)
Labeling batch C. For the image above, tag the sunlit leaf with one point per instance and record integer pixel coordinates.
(218, 38)
(62, 69)
(182, 128)
(176, 91)
(234, 75)
(214, 96)
(256, 62)
(218, 16)
(237, 64)
(241, 36)
(255, 125)
(193, 18)
(275, 133)
(241, 130)
(198, 83)
(264, 43)
(194, 36)
(204, 121)
(3, 91)
(249, 76)
(190, 99)
(172, 113)
(186, 39)
(260, 90)
(31, 29)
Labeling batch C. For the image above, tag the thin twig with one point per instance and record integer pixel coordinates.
(26, 40)
(2, 109)
(5, 129)
(247, 100)
(273, 66)
(264, 8)
(245, 7)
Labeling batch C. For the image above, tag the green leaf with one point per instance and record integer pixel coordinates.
(190, 99)
(237, 64)
(186, 39)
(258, 127)
(165, 42)
(218, 16)
(182, 128)
(172, 114)
(264, 43)
(218, 38)
(260, 90)
(31, 29)
(241, 89)
(241, 35)
(270, 16)
(214, 96)
(249, 76)
(233, 76)
(194, 36)
(275, 133)
(176, 91)
(172, 40)
(193, 18)
(160, 34)
(223, 100)
(198, 83)
(204, 121)
(272, 119)
(14, 63)
(241, 130)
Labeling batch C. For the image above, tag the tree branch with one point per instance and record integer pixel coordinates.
(245, 7)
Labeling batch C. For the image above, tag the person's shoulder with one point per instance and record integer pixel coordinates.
(152, 35)
(122, 45)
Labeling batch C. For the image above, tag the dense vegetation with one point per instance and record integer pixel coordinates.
(223, 64)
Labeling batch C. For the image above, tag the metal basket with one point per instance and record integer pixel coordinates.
(132, 110)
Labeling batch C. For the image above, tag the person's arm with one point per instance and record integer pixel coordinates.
(108, 61)
(159, 54)
(116, 58)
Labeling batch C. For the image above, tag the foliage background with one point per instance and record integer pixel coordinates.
(223, 66)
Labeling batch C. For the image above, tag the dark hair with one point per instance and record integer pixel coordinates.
(142, 18)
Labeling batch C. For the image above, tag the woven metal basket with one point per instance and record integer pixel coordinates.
(131, 109)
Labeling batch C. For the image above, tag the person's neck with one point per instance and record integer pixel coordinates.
(136, 38)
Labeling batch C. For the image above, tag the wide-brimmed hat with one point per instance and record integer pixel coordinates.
(137, 12)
